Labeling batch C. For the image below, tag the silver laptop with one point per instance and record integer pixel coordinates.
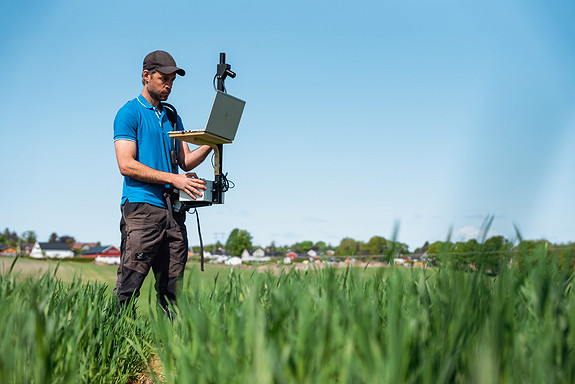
(225, 116)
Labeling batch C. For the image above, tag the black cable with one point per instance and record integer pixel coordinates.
(201, 242)
(227, 184)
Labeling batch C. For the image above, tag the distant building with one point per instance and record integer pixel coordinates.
(259, 256)
(292, 255)
(51, 251)
(26, 248)
(21, 249)
(233, 261)
(106, 254)
(259, 253)
(422, 255)
(83, 246)
(7, 251)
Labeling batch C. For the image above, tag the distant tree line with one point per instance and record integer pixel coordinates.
(12, 239)
(492, 253)
(473, 254)
(240, 239)
(466, 255)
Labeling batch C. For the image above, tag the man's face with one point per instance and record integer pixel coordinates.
(159, 85)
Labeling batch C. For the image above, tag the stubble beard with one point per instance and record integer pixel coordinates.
(157, 95)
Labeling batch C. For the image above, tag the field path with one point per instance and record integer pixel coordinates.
(65, 270)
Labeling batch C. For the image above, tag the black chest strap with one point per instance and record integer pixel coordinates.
(172, 115)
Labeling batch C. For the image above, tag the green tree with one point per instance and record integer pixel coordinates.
(423, 248)
(398, 248)
(349, 247)
(29, 237)
(53, 237)
(463, 254)
(567, 255)
(238, 240)
(271, 249)
(439, 247)
(276, 250)
(281, 250)
(9, 237)
(495, 244)
(320, 247)
(376, 245)
(302, 246)
(66, 239)
(438, 251)
(493, 251)
(526, 248)
(210, 247)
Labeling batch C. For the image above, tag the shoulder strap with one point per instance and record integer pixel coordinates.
(172, 115)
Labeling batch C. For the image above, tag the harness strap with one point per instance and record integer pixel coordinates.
(168, 198)
(173, 117)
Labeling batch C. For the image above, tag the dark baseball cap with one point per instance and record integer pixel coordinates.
(162, 62)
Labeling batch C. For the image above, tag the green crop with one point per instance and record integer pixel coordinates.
(392, 325)
(322, 325)
(53, 332)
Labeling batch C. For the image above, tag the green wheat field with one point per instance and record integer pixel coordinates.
(328, 325)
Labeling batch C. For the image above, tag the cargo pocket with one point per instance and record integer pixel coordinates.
(142, 245)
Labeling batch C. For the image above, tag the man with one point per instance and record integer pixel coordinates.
(152, 235)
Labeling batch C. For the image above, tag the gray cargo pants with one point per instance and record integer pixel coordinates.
(150, 241)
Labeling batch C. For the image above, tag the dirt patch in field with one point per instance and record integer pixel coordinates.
(66, 270)
(278, 268)
(27, 267)
(147, 377)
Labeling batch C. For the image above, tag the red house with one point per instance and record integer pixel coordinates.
(105, 250)
(292, 255)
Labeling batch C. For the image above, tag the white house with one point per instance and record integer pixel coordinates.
(259, 256)
(233, 261)
(312, 253)
(51, 250)
(259, 253)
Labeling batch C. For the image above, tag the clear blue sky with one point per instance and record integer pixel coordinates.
(359, 115)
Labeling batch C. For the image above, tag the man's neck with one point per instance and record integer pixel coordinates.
(152, 100)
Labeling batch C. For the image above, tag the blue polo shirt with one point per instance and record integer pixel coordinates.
(143, 124)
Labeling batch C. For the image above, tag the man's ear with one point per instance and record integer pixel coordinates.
(146, 75)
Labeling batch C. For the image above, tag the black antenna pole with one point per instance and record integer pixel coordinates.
(223, 70)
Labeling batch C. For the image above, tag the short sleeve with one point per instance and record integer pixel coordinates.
(126, 124)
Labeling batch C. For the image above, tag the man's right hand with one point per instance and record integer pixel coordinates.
(190, 183)
(126, 155)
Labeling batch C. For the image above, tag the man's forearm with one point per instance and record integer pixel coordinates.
(141, 172)
(196, 157)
